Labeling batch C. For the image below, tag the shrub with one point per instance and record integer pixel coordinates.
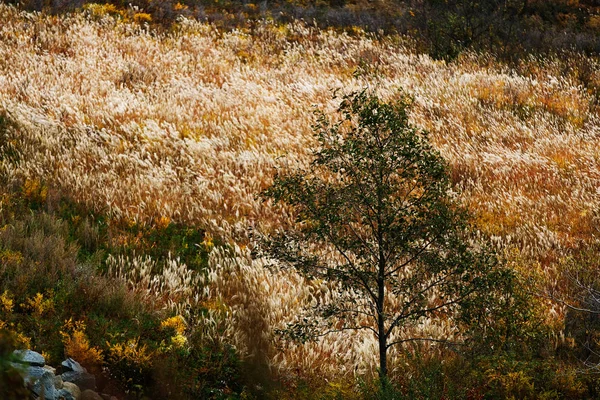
(11, 382)
(77, 346)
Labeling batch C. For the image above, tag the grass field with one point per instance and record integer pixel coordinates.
(185, 127)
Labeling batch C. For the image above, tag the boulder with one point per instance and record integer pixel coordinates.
(65, 395)
(70, 391)
(40, 380)
(90, 395)
(30, 358)
(18, 366)
(51, 369)
(58, 382)
(71, 365)
(82, 379)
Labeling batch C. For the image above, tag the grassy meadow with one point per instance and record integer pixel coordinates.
(131, 163)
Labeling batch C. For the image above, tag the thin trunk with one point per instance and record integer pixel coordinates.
(381, 317)
(382, 352)
(381, 322)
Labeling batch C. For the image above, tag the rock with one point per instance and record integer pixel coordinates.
(82, 379)
(51, 369)
(66, 395)
(58, 382)
(19, 367)
(105, 396)
(71, 365)
(90, 395)
(40, 380)
(70, 391)
(30, 357)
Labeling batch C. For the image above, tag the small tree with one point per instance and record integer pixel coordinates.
(376, 221)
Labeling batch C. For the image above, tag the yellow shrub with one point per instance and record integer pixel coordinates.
(208, 241)
(177, 323)
(77, 346)
(178, 7)
(46, 356)
(594, 23)
(6, 312)
(35, 191)
(38, 306)
(23, 341)
(162, 222)
(131, 352)
(142, 17)
(11, 257)
(178, 341)
(6, 303)
(102, 10)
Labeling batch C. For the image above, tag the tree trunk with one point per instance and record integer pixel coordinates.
(382, 337)
(382, 354)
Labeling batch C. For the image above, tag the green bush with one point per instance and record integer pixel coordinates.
(11, 382)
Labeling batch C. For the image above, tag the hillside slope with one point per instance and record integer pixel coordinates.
(186, 127)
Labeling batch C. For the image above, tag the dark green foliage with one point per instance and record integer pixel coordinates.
(503, 321)
(217, 372)
(455, 25)
(11, 383)
(580, 292)
(376, 220)
(208, 370)
(425, 377)
(175, 239)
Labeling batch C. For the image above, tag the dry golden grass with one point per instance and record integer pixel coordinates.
(187, 127)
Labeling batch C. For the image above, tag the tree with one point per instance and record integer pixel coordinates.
(455, 25)
(374, 218)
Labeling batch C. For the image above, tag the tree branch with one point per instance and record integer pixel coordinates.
(423, 340)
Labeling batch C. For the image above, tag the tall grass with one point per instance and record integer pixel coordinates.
(187, 126)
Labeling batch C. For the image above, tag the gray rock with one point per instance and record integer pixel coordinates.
(65, 395)
(82, 379)
(71, 365)
(58, 382)
(18, 367)
(30, 358)
(90, 395)
(51, 369)
(40, 380)
(70, 391)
